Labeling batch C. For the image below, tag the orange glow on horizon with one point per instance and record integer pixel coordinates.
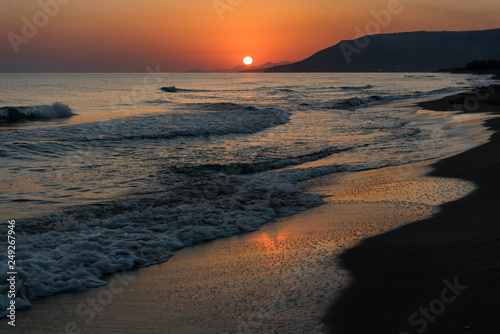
(111, 35)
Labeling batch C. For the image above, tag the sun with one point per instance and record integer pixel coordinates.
(247, 60)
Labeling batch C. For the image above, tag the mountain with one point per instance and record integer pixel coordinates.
(402, 52)
(241, 68)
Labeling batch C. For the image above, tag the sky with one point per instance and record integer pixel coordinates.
(175, 35)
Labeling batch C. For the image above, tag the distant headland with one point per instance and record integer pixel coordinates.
(401, 52)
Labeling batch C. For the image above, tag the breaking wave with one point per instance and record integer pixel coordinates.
(20, 114)
(218, 119)
(73, 250)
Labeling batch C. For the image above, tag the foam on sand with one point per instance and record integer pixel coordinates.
(281, 277)
(73, 250)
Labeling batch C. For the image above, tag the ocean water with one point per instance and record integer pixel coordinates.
(104, 172)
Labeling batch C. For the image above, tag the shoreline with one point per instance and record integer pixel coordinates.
(115, 314)
(281, 277)
(441, 274)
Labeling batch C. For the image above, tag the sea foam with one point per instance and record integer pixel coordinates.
(210, 120)
(73, 250)
(19, 114)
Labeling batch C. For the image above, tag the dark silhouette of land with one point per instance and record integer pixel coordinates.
(402, 52)
(491, 66)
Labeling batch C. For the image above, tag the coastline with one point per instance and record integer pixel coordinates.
(375, 201)
(281, 277)
(441, 274)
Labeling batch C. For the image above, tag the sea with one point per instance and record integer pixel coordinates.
(108, 172)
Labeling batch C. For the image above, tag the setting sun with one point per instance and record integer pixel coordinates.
(247, 60)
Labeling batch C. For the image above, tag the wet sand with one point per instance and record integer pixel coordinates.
(442, 274)
(283, 277)
(279, 279)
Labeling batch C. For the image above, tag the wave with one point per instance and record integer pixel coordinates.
(418, 94)
(221, 123)
(31, 151)
(257, 167)
(216, 120)
(361, 102)
(73, 250)
(222, 106)
(20, 114)
(437, 91)
(158, 101)
(419, 76)
(287, 90)
(357, 87)
(355, 102)
(173, 89)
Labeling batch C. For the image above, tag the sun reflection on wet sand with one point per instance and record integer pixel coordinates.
(282, 276)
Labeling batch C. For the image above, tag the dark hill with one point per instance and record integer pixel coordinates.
(402, 52)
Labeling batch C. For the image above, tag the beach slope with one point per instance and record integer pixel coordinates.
(442, 274)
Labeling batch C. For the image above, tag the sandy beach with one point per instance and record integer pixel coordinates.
(284, 277)
(278, 279)
(439, 275)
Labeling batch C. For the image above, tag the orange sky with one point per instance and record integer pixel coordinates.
(129, 35)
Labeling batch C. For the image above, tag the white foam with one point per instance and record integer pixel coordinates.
(234, 120)
(56, 110)
(75, 249)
